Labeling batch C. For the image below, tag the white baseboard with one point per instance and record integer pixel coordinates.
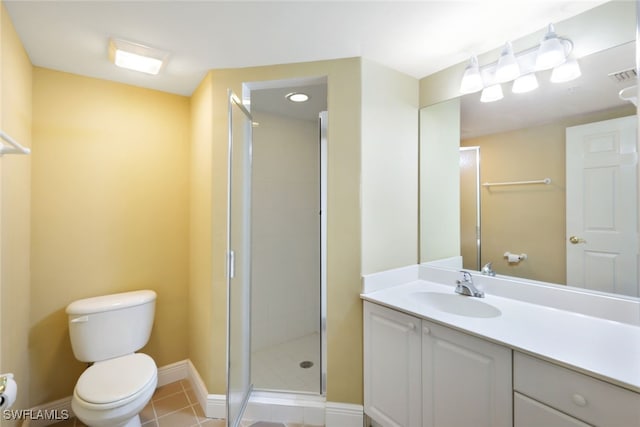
(263, 406)
(47, 414)
(213, 405)
(173, 372)
(344, 415)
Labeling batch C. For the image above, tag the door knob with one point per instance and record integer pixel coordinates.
(575, 240)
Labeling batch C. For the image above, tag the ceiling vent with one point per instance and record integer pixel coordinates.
(624, 75)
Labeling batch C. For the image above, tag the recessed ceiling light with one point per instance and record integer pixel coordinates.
(297, 97)
(136, 57)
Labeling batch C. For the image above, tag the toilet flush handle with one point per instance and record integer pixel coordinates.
(80, 319)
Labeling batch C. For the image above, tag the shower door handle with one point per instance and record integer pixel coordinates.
(232, 264)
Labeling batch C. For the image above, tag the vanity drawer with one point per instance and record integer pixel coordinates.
(588, 399)
(531, 413)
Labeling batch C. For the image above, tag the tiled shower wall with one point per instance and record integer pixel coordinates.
(285, 230)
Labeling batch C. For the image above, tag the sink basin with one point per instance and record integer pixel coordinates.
(456, 304)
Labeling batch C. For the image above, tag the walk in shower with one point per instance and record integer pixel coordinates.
(287, 236)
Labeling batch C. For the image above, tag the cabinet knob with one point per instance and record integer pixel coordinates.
(579, 400)
(426, 330)
(411, 326)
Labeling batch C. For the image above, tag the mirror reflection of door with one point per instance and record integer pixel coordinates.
(602, 245)
(470, 207)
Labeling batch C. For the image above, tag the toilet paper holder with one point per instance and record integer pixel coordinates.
(4, 378)
(514, 258)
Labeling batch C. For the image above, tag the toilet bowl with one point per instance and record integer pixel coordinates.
(107, 331)
(112, 393)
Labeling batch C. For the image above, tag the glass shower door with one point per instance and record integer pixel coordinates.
(239, 261)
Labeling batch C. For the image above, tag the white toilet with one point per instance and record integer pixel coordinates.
(107, 331)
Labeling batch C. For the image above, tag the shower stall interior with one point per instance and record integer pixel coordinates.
(287, 235)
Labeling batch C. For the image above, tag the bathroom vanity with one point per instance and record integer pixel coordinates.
(433, 358)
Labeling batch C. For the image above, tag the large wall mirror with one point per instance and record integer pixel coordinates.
(517, 188)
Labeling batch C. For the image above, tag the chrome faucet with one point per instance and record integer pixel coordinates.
(466, 286)
(487, 270)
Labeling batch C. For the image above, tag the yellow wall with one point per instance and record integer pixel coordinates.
(109, 214)
(15, 184)
(344, 324)
(207, 303)
(528, 219)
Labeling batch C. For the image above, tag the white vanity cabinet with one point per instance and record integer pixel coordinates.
(466, 381)
(417, 373)
(392, 386)
(550, 395)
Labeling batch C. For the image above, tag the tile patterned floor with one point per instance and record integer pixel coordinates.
(172, 405)
(175, 405)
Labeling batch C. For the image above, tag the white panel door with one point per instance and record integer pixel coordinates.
(466, 381)
(392, 395)
(602, 241)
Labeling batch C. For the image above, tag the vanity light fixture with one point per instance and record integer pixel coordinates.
(137, 57)
(567, 71)
(507, 68)
(472, 79)
(297, 97)
(553, 52)
(525, 83)
(491, 93)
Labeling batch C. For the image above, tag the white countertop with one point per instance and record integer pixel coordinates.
(602, 348)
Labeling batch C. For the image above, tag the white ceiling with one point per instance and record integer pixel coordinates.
(417, 38)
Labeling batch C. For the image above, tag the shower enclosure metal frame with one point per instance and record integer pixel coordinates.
(239, 385)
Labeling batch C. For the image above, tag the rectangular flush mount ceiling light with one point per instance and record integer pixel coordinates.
(136, 57)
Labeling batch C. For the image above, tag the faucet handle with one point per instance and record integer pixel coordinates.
(466, 276)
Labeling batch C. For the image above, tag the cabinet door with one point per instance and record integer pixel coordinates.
(530, 413)
(391, 367)
(466, 381)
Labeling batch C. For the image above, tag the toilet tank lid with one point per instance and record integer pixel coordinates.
(110, 302)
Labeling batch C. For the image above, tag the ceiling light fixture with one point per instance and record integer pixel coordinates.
(553, 52)
(136, 57)
(297, 97)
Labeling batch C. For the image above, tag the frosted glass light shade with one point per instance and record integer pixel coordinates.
(507, 68)
(567, 71)
(472, 79)
(525, 83)
(552, 51)
(491, 93)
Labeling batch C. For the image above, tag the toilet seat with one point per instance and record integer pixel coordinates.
(117, 381)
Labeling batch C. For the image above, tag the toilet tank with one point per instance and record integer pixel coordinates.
(109, 326)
